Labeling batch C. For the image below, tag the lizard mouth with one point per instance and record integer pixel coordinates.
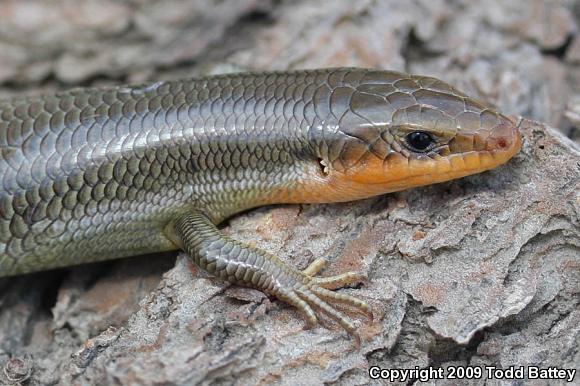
(466, 154)
(474, 153)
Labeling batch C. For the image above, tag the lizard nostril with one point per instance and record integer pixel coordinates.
(503, 135)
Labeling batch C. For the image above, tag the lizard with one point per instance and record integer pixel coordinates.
(91, 174)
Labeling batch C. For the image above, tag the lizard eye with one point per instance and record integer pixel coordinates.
(419, 141)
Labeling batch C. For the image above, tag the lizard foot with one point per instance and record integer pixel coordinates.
(314, 292)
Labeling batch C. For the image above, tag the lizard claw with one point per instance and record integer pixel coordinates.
(310, 292)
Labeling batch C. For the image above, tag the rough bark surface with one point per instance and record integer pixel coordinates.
(479, 271)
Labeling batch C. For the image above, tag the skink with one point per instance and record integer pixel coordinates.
(93, 174)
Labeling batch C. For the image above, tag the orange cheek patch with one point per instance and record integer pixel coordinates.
(371, 175)
(471, 160)
(373, 170)
(486, 160)
(443, 166)
(419, 167)
(395, 169)
(457, 163)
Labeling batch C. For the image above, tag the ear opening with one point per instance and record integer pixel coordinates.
(322, 165)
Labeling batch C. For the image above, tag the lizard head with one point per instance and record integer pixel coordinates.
(396, 131)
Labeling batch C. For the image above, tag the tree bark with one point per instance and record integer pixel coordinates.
(482, 271)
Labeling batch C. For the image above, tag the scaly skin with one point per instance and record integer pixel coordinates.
(93, 174)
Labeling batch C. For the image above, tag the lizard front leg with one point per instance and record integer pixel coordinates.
(252, 267)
